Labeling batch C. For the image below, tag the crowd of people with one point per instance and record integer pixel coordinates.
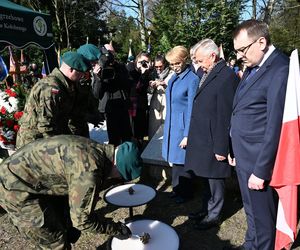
(214, 114)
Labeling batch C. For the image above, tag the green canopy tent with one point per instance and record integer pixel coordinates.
(21, 27)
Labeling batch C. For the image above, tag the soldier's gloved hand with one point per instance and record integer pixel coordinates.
(123, 232)
(73, 234)
(99, 120)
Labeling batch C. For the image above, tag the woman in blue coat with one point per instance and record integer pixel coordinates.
(179, 94)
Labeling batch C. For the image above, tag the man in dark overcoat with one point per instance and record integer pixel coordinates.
(208, 142)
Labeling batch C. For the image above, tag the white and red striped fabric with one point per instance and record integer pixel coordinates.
(286, 173)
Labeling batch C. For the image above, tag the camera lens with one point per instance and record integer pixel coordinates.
(144, 64)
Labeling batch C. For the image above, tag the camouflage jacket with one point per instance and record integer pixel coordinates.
(63, 165)
(50, 107)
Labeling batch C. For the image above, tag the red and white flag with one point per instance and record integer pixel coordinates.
(286, 173)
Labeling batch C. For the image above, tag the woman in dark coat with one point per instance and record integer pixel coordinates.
(208, 143)
(140, 76)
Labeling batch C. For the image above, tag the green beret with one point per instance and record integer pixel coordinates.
(76, 61)
(128, 161)
(89, 51)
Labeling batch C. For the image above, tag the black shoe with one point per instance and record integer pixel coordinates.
(234, 248)
(207, 223)
(199, 215)
(180, 200)
(173, 195)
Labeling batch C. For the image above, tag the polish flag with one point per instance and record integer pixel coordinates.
(286, 173)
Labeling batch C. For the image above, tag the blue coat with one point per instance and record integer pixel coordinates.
(179, 96)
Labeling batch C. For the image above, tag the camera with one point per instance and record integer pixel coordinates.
(106, 61)
(108, 73)
(144, 64)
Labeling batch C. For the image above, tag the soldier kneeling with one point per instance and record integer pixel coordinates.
(50, 188)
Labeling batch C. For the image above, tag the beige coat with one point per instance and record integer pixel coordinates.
(157, 109)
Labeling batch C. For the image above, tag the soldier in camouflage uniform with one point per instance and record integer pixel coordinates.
(50, 187)
(50, 108)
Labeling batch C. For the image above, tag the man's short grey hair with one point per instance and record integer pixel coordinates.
(207, 46)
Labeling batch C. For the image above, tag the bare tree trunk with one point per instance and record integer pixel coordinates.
(66, 24)
(253, 9)
(142, 23)
(269, 11)
(35, 5)
(55, 4)
(137, 6)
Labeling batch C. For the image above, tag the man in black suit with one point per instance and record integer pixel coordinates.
(255, 128)
(208, 141)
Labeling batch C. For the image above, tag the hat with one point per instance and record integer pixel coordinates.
(89, 51)
(76, 61)
(128, 161)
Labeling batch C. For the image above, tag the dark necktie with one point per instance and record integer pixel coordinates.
(250, 73)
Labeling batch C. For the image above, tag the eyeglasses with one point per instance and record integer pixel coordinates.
(175, 64)
(243, 51)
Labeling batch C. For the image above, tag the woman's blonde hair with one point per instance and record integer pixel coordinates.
(177, 54)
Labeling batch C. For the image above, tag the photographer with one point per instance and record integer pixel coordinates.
(140, 75)
(111, 87)
(34, 73)
(157, 109)
(88, 104)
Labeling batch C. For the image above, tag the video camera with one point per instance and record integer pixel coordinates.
(106, 62)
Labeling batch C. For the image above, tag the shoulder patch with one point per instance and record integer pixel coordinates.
(54, 91)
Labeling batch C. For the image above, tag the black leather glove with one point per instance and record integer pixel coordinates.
(123, 232)
(73, 235)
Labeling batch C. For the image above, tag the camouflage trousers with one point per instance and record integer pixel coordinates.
(56, 232)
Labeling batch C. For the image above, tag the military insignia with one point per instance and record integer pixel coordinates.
(54, 91)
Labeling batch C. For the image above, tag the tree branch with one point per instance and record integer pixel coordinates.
(134, 9)
(120, 4)
(293, 7)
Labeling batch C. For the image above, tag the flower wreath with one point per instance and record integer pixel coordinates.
(11, 105)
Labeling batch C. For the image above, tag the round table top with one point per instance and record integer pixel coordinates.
(122, 197)
(162, 236)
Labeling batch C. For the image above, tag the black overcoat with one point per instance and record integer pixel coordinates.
(209, 127)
